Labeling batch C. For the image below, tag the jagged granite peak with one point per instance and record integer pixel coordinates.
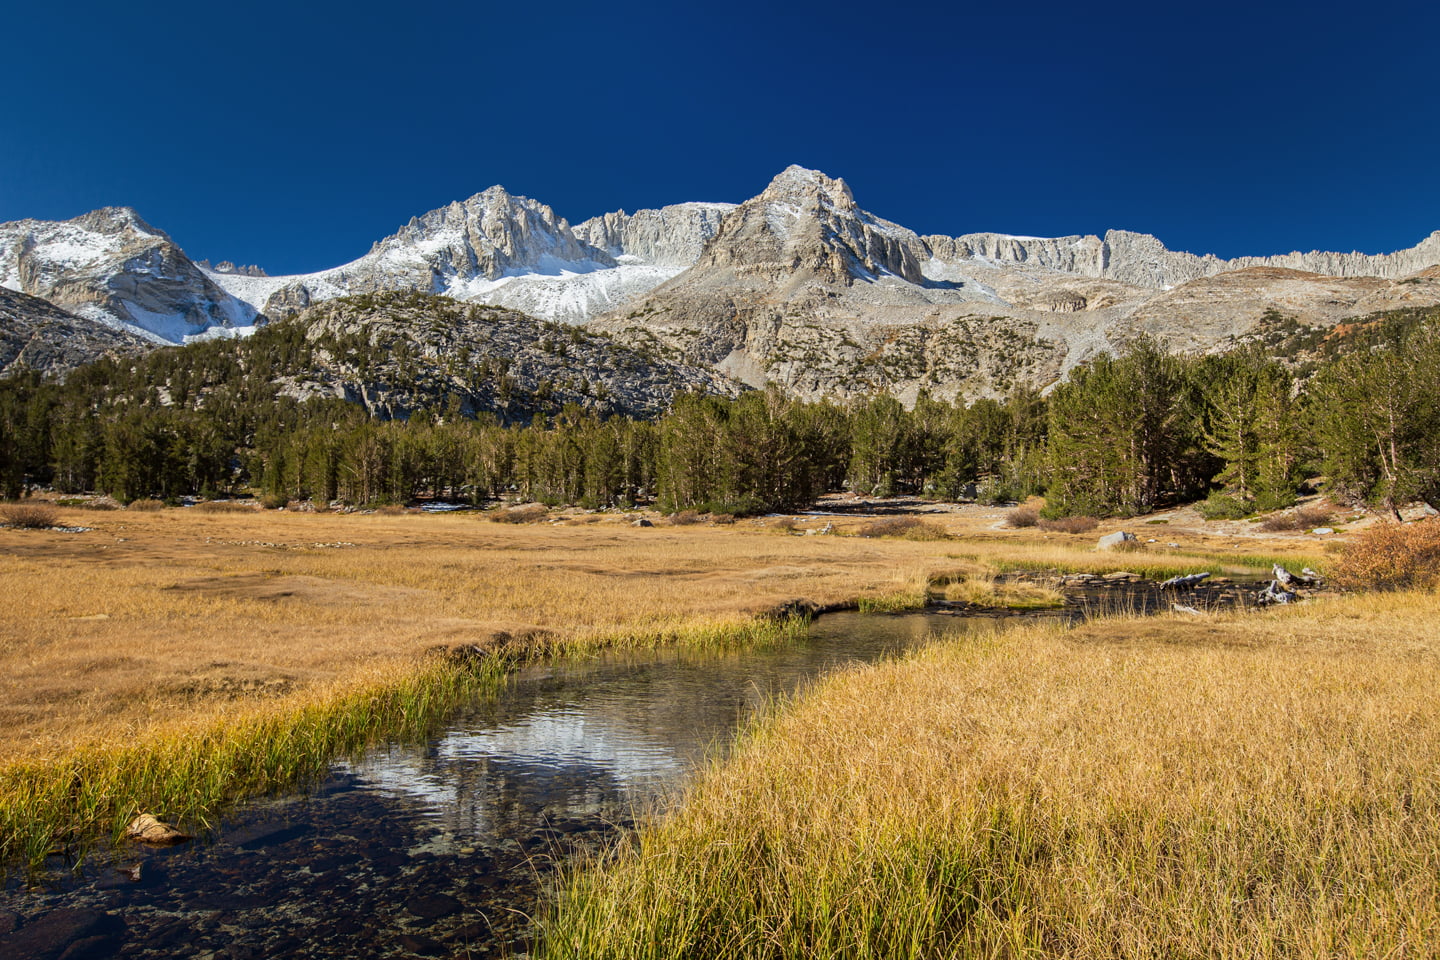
(118, 221)
(806, 223)
(229, 266)
(109, 265)
(804, 289)
(37, 335)
(491, 235)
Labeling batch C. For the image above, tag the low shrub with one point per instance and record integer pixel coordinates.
(1021, 518)
(390, 509)
(1305, 518)
(685, 518)
(784, 525)
(1069, 525)
(1221, 506)
(30, 516)
(146, 506)
(723, 519)
(525, 513)
(906, 528)
(1391, 557)
(225, 506)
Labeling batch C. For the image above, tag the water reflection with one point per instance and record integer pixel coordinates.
(442, 847)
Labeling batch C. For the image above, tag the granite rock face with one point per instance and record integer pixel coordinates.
(37, 335)
(672, 236)
(806, 225)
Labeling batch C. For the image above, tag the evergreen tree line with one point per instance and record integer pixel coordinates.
(1122, 435)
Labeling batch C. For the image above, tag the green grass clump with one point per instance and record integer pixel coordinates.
(894, 602)
(750, 633)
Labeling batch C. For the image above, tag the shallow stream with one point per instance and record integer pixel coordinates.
(441, 849)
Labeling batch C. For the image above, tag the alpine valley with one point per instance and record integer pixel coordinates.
(797, 287)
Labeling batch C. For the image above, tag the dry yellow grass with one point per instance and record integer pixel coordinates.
(257, 639)
(1228, 787)
(174, 615)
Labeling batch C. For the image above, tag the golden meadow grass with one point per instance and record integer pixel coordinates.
(1214, 787)
(176, 659)
(161, 633)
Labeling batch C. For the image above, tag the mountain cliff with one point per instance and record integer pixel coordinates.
(37, 335)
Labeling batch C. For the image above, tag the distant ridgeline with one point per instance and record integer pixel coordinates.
(393, 397)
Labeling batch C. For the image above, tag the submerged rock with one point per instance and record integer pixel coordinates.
(66, 932)
(148, 829)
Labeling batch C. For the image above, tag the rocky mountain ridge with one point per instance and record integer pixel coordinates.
(798, 285)
(803, 288)
(511, 251)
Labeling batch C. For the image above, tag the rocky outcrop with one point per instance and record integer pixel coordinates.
(226, 266)
(672, 236)
(37, 335)
(395, 353)
(109, 265)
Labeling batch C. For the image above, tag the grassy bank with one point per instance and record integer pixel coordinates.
(1221, 787)
(190, 772)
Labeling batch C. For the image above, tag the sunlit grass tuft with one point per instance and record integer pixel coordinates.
(986, 591)
(62, 805)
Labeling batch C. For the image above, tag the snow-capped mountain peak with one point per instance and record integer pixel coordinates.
(111, 266)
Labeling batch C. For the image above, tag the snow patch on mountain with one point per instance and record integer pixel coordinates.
(509, 251)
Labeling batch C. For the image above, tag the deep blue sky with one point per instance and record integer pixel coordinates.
(294, 135)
